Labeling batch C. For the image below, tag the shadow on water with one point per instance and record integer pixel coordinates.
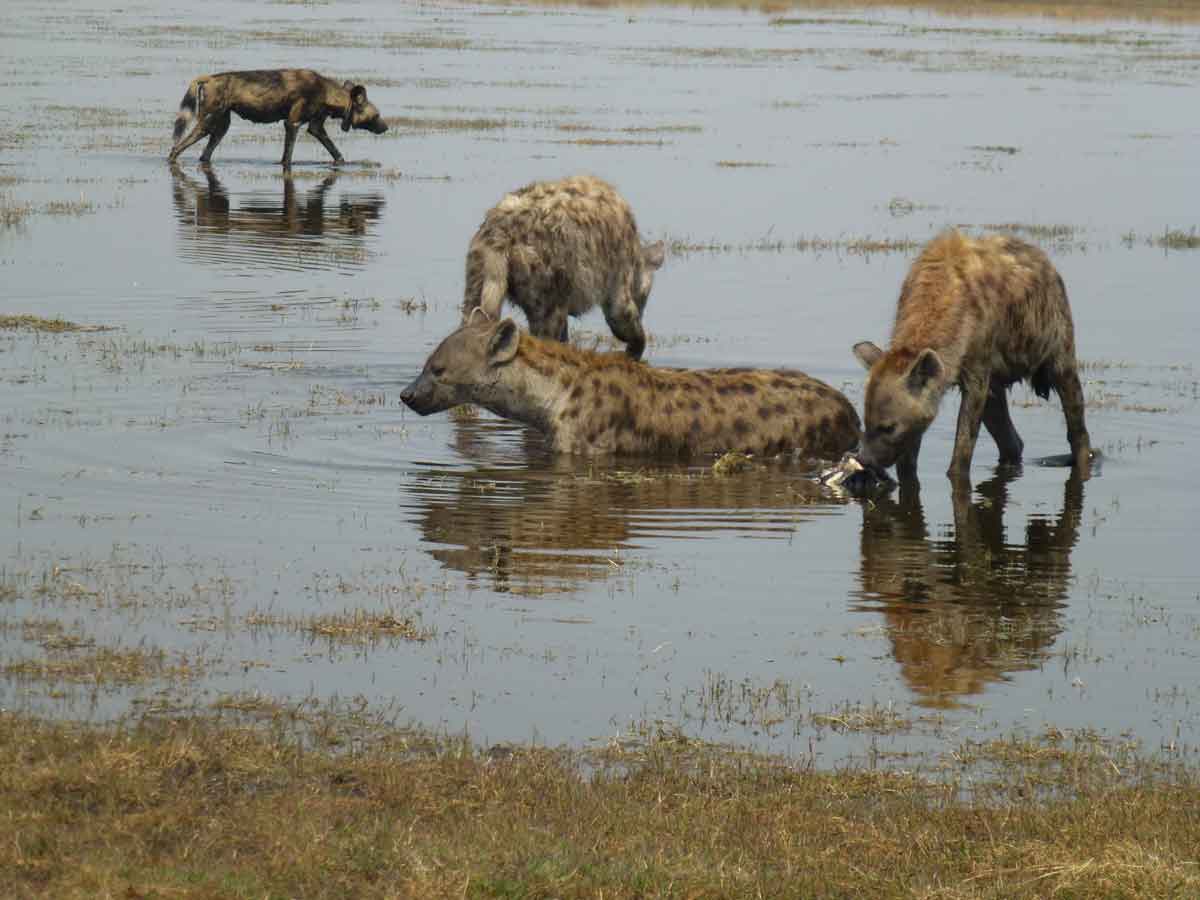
(962, 610)
(295, 231)
(555, 523)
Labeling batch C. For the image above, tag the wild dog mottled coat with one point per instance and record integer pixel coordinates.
(558, 248)
(982, 314)
(295, 96)
(601, 403)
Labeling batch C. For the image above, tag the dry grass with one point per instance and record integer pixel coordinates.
(25, 322)
(1165, 10)
(206, 807)
(355, 626)
(853, 246)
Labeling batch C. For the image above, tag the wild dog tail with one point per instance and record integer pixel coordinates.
(187, 109)
(487, 280)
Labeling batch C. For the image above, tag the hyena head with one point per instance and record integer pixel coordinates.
(652, 260)
(464, 367)
(902, 397)
(361, 113)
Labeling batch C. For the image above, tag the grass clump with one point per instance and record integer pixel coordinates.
(207, 806)
(1176, 239)
(25, 322)
(731, 463)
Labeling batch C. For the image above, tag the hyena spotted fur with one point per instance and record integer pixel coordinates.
(558, 248)
(607, 403)
(293, 96)
(982, 314)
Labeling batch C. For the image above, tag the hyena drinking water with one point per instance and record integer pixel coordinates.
(558, 248)
(601, 403)
(979, 313)
(295, 96)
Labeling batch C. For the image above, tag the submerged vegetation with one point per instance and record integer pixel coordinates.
(193, 808)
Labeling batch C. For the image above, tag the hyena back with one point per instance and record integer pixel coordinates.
(607, 403)
(558, 248)
(293, 96)
(982, 314)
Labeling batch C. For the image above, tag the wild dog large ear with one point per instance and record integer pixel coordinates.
(928, 367)
(654, 254)
(502, 345)
(867, 354)
(358, 96)
(348, 115)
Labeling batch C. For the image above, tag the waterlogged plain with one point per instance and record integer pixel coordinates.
(212, 497)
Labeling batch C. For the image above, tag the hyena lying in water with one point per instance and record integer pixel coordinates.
(980, 314)
(296, 96)
(558, 248)
(607, 403)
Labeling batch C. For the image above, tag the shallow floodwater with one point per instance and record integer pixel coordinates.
(223, 484)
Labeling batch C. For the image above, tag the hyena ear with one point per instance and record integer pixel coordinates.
(928, 367)
(502, 345)
(654, 255)
(867, 354)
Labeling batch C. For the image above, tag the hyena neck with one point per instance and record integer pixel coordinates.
(336, 100)
(532, 387)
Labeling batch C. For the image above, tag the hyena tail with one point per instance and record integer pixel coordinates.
(187, 109)
(487, 281)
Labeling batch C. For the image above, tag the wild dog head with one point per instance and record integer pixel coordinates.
(902, 398)
(653, 256)
(465, 368)
(361, 113)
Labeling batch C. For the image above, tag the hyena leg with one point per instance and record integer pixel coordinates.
(551, 325)
(317, 129)
(970, 415)
(1070, 393)
(906, 462)
(999, 424)
(220, 125)
(289, 141)
(625, 320)
(199, 130)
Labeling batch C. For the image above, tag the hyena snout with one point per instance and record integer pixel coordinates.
(419, 395)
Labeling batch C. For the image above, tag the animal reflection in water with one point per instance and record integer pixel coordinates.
(963, 610)
(557, 523)
(301, 229)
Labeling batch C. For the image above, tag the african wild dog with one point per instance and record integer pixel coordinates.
(558, 248)
(294, 95)
(979, 313)
(600, 403)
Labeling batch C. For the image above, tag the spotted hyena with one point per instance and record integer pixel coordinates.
(293, 96)
(602, 403)
(979, 313)
(558, 248)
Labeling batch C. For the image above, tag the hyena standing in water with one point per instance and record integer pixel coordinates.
(558, 248)
(295, 96)
(607, 403)
(979, 313)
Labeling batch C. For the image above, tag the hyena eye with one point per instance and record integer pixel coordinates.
(886, 429)
(438, 371)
